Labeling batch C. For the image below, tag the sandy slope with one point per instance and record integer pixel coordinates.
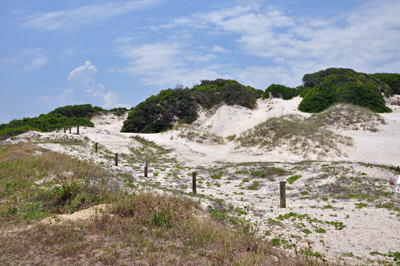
(367, 229)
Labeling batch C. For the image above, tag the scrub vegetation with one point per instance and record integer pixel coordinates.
(69, 116)
(143, 227)
(161, 112)
(340, 85)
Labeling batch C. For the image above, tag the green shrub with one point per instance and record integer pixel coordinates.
(278, 91)
(392, 80)
(160, 112)
(340, 85)
(10, 132)
(69, 116)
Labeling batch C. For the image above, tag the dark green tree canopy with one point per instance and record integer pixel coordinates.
(159, 113)
(278, 91)
(340, 85)
(69, 116)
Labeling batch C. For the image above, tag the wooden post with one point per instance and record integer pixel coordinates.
(194, 182)
(283, 194)
(116, 159)
(69, 130)
(95, 146)
(77, 129)
(145, 168)
(65, 129)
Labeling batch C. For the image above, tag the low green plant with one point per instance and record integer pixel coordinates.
(291, 179)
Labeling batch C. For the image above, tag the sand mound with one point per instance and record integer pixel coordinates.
(296, 135)
(348, 117)
(226, 120)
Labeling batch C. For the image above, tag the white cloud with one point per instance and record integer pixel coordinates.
(82, 80)
(82, 76)
(111, 101)
(27, 60)
(85, 15)
(220, 49)
(167, 63)
(365, 39)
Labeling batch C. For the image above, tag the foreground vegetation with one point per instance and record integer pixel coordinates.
(142, 228)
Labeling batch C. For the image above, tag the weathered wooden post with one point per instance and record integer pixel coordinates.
(65, 129)
(116, 159)
(283, 194)
(145, 168)
(77, 129)
(194, 182)
(95, 146)
(69, 130)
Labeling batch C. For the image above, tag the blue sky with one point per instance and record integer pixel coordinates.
(118, 53)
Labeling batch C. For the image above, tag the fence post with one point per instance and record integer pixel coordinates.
(65, 129)
(116, 159)
(283, 193)
(194, 182)
(95, 146)
(69, 130)
(77, 129)
(145, 168)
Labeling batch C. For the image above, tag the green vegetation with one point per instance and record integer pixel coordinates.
(340, 85)
(39, 186)
(69, 116)
(163, 227)
(291, 179)
(278, 91)
(392, 80)
(160, 112)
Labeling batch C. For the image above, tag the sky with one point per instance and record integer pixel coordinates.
(118, 53)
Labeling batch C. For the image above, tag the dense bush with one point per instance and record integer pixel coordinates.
(159, 113)
(83, 110)
(69, 116)
(278, 91)
(10, 132)
(338, 85)
(392, 80)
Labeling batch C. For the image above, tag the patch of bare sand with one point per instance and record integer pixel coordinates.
(85, 214)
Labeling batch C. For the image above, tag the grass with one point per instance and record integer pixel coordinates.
(140, 228)
(348, 117)
(301, 136)
(192, 134)
(291, 179)
(39, 185)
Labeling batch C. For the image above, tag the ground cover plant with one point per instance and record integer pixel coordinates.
(38, 183)
(144, 227)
